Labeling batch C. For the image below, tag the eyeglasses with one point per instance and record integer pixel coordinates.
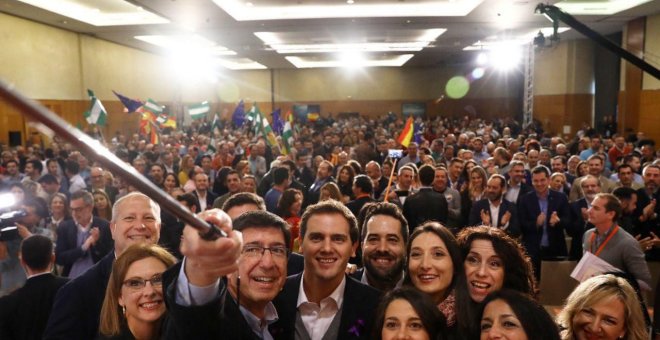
(137, 283)
(255, 251)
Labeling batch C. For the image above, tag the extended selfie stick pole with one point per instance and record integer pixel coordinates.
(89, 146)
(389, 183)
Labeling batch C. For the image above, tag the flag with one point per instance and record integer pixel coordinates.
(287, 138)
(146, 121)
(153, 107)
(312, 117)
(131, 105)
(197, 111)
(238, 117)
(407, 134)
(417, 135)
(165, 121)
(277, 122)
(154, 138)
(96, 113)
(215, 125)
(262, 126)
(252, 114)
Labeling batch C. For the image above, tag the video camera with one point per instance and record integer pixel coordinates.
(8, 229)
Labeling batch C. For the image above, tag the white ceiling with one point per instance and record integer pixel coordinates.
(413, 33)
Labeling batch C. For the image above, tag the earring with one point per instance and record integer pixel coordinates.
(123, 309)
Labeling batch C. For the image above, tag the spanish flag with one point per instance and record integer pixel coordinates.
(407, 134)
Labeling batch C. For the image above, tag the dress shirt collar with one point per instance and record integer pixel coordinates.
(259, 326)
(336, 297)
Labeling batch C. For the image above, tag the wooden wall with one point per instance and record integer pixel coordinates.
(555, 111)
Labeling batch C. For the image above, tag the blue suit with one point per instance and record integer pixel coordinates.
(514, 227)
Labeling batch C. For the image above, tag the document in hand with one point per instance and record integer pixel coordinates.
(591, 265)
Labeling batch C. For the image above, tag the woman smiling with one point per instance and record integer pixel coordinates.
(134, 305)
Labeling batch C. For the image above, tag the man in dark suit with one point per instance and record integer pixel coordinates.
(579, 216)
(323, 175)
(516, 187)
(506, 217)
(24, 313)
(204, 195)
(77, 307)
(427, 204)
(329, 237)
(372, 169)
(362, 188)
(83, 240)
(260, 275)
(544, 214)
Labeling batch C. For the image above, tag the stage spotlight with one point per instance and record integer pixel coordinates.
(505, 57)
(482, 59)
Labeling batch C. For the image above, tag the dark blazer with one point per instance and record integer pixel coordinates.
(356, 205)
(295, 264)
(218, 319)
(77, 306)
(380, 188)
(24, 313)
(314, 192)
(210, 197)
(67, 250)
(357, 316)
(576, 228)
(427, 204)
(529, 210)
(514, 227)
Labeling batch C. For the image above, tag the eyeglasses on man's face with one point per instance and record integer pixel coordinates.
(256, 251)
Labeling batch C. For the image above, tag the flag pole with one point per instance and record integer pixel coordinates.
(389, 183)
(90, 146)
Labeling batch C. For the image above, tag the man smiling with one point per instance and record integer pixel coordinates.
(321, 302)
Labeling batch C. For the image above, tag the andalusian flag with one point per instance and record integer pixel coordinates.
(262, 125)
(96, 113)
(198, 111)
(165, 121)
(152, 107)
(407, 134)
(287, 138)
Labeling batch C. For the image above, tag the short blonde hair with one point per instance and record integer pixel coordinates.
(597, 289)
(112, 318)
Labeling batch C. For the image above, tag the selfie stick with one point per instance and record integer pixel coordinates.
(389, 183)
(84, 143)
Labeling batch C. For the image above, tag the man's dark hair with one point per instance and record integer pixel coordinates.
(72, 167)
(10, 161)
(561, 158)
(85, 195)
(262, 219)
(48, 178)
(243, 198)
(289, 163)
(364, 183)
(624, 193)
(36, 252)
(330, 207)
(280, 175)
(37, 165)
(191, 201)
(206, 156)
(623, 166)
(541, 169)
(387, 209)
(426, 175)
(38, 205)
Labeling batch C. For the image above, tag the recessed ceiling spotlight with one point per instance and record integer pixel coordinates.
(350, 2)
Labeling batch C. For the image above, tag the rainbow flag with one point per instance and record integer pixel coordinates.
(407, 134)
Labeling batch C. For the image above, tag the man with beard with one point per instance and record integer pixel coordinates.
(649, 211)
(453, 197)
(384, 239)
(577, 227)
(596, 167)
(494, 211)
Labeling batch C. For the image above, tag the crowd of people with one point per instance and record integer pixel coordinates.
(339, 236)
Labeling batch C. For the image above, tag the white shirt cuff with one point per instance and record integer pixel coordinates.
(188, 294)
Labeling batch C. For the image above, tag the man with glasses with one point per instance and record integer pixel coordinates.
(84, 240)
(241, 306)
(97, 182)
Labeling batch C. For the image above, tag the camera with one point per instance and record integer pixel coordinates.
(8, 229)
(395, 153)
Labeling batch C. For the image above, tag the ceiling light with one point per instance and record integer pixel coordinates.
(350, 2)
(415, 44)
(586, 7)
(241, 64)
(393, 61)
(505, 57)
(103, 12)
(239, 12)
(186, 42)
(482, 59)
